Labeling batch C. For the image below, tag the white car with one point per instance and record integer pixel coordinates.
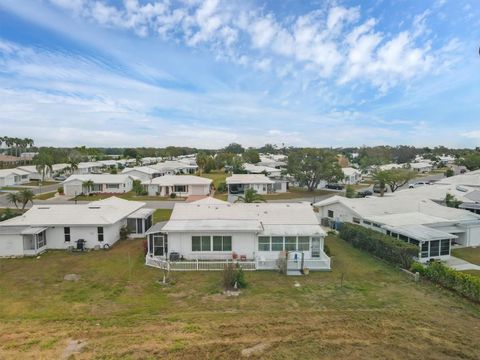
(418, 184)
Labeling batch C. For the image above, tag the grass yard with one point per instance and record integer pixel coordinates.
(126, 196)
(10, 188)
(119, 311)
(44, 183)
(471, 255)
(13, 210)
(161, 215)
(218, 176)
(45, 196)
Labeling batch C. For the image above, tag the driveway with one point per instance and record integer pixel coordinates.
(460, 264)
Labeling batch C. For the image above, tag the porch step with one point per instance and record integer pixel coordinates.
(294, 273)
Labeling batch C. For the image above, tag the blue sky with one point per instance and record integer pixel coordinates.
(207, 73)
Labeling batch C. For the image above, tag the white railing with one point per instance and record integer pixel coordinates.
(219, 265)
(197, 265)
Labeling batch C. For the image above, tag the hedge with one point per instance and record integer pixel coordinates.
(464, 284)
(383, 246)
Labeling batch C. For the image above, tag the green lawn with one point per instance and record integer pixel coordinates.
(119, 311)
(472, 272)
(470, 254)
(126, 196)
(218, 176)
(44, 183)
(12, 188)
(161, 215)
(45, 196)
(13, 210)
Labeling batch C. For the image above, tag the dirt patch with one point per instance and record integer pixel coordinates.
(255, 350)
(73, 347)
(72, 277)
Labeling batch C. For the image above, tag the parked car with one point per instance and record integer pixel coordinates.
(364, 193)
(377, 189)
(59, 178)
(418, 184)
(334, 186)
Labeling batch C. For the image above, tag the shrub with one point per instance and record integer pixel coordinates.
(222, 187)
(124, 232)
(326, 250)
(350, 191)
(60, 190)
(464, 284)
(232, 275)
(173, 195)
(383, 246)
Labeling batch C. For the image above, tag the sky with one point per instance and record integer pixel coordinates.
(205, 73)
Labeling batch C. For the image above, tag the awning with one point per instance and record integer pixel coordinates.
(292, 230)
(141, 213)
(420, 232)
(33, 230)
(157, 228)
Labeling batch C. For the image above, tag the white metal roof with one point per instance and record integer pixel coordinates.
(349, 171)
(141, 213)
(278, 218)
(144, 169)
(468, 179)
(171, 180)
(248, 179)
(210, 201)
(8, 172)
(102, 212)
(258, 169)
(420, 232)
(436, 192)
(89, 164)
(99, 178)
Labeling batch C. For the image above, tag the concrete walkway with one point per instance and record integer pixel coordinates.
(460, 264)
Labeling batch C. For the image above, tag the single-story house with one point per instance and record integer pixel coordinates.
(173, 167)
(208, 233)
(471, 178)
(90, 167)
(351, 175)
(143, 173)
(11, 177)
(97, 224)
(258, 169)
(421, 167)
(102, 183)
(33, 173)
(238, 183)
(433, 227)
(181, 185)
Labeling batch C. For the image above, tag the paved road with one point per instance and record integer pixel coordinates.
(35, 190)
(430, 177)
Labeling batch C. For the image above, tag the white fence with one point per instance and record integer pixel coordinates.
(205, 265)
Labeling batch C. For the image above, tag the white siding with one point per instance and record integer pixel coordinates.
(199, 189)
(11, 245)
(56, 238)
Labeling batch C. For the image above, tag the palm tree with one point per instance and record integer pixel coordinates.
(14, 199)
(382, 178)
(250, 196)
(44, 164)
(26, 196)
(72, 165)
(201, 161)
(88, 185)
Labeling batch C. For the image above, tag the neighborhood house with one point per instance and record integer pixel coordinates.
(180, 185)
(102, 183)
(208, 233)
(94, 225)
(433, 227)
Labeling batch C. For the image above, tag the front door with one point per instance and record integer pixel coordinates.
(159, 245)
(315, 247)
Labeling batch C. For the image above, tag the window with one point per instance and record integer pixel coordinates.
(445, 247)
(424, 253)
(100, 233)
(435, 248)
(222, 243)
(403, 238)
(414, 242)
(365, 222)
(66, 234)
(376, 225)
(206, 246)
(303, 243)
(330, 213)
(277, 243)
(132, 225)
(113, 186)
(139, 226)
(264, 243)
(356, 220)
(290, 243)
(41, 240)
(180, 188)
(196, 243)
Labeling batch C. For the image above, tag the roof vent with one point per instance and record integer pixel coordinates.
(43, 207)
(94, 207)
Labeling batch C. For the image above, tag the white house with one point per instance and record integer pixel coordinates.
(351, 175)
(238, 183)
(102, 183)
(11, 177)
(89, 167)
(258, 169)
(181, 185)
(172, 167)
(208, 233)
(421, 167)
(143, 173)
(97, 224)
(422, 222)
